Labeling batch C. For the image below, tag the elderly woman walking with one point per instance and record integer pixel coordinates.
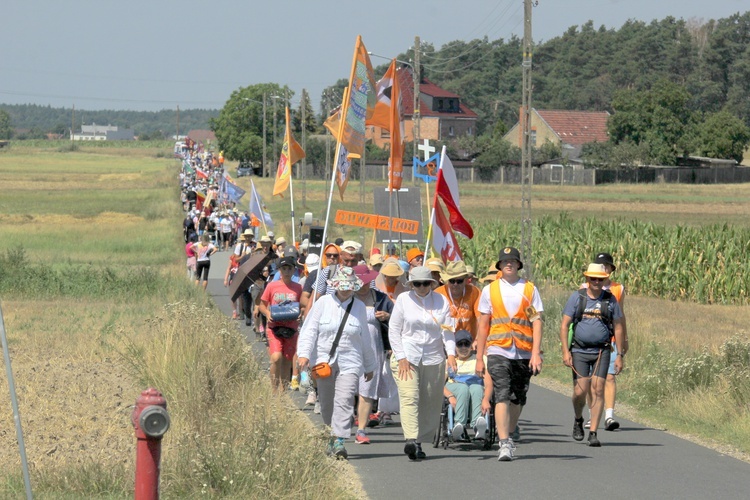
(335, 338)
(420, 339)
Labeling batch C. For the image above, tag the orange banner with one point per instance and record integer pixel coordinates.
(374, 221)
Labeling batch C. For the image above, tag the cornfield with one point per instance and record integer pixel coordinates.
(707, 264)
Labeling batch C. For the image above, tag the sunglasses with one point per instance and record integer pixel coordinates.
(418, 284)
(463, 343)
(456, 282)
(332, 255)
(596, 279)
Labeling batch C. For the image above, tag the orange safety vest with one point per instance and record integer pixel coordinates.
(504, 330)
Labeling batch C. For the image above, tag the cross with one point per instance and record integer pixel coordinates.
(427, 149)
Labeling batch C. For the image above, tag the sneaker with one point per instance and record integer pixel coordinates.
(587, 425)
(410, 449)
(361, 438)
(420, 454)
(311, 399)
(316, 410)
(593, 440)
(578, 429)
(480, 428)
(611, 424)
(329, 447)
(458, 431)
(516, 434)
(294, 385)
(338, 449)
(512, 445)
(506, 452)
(385, 419)
(374, 421)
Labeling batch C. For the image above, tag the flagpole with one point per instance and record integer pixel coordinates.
(432, 212)
(291, 200)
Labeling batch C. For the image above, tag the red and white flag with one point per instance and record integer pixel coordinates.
(443, 239)
(447, 189)
(200, 174)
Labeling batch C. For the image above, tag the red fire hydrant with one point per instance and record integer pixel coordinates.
(151, 422)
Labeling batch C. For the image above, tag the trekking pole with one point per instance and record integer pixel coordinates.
(14, 403)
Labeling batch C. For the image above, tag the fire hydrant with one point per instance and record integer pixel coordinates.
(151, 421)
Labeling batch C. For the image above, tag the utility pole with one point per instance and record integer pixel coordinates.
(264, 170)
(73, 123)
(304, 146)
(416, 117)
(526, 170)
(177, 137)
(274, 129)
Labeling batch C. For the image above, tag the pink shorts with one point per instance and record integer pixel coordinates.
(287, 347)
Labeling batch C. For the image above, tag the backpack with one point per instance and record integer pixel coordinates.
(607, 313)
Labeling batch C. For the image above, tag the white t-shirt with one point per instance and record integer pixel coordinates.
(512, 295)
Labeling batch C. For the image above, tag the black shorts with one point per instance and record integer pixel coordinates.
(202, 267)
(510, 378)
(591, 364)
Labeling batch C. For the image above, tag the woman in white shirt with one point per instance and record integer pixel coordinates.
(352, 357)
(420, 339)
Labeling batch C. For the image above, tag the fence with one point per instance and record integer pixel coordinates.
(561, 175)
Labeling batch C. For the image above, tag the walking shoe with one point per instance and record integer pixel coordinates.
(316, 410)
(578, 429)
(374, 421)
(480, 428)
(338, 449)
(420, 454)
(516, 434)
(458, 431)
(512, 445)
(361, 438)
(410, 449)
(329, 447)
(294, 384)
(311, 399)
(385, 418)
(587, 425)
(506, 452)
(593, 440)
(611, 424)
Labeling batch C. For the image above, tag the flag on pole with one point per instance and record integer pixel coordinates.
(359, 102)
(443, 240)
(230, 190)
(200, 174)
(257, 207)
(200, 200)
(291, 153)
(343, 167)
(388, 115)
(447, 189)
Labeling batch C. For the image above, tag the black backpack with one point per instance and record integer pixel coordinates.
(607, 312)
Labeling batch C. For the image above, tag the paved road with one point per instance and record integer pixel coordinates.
(633, 462)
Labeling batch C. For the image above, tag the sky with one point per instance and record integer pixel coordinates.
(161, 54)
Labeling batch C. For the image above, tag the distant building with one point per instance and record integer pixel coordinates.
(569, 130)
(202, 136)
(96, 132)
(443, 115)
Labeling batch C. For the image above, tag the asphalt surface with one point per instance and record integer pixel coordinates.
(634, 461)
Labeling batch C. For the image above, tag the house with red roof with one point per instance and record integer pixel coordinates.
(205, 136)
(568, 129)
(443, 115)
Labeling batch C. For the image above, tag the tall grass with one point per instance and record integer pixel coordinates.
(706, 264)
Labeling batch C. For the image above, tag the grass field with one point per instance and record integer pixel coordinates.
(101, 228)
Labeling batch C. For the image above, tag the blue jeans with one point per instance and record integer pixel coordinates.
(468, 402)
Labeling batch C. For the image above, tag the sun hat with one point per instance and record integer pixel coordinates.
(312, 262)
(420, 273)
(391, 269)
(435, 264)
(351, 247)
(509, 253)
(265, 239)
(270, 234)
(365, 273)
(463, 335)
(605, 258)
(413, 253)
(248, 234)
(470, 270)
(344, 280)
(281, 240)
(376, 259)
(596, 271)
(454, 270)
(305, 244)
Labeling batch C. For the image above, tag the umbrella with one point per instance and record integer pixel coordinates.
(250, 270)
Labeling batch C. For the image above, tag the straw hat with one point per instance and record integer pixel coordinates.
(435, 264)
(376, 259)
(596, 271)
(454, 270)
(392, 269)
(248, 234)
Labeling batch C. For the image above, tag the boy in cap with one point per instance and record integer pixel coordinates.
(594, 315)
(510, 334)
